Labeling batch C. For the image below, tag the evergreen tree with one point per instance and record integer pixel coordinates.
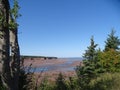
(90, 59)
(109, 60)
(86, 71)
(90, 54)
(60, 83)
(112, 41)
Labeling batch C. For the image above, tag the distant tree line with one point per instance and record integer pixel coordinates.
(39, 57)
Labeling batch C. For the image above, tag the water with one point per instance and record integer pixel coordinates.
(60, 67)
(73, 58)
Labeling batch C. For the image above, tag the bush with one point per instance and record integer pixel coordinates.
(60, 83)
(26, 81)
(72, 83)
(45, 85)
(106, 81)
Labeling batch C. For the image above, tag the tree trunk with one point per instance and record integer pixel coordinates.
(4, 45)
(15, 57)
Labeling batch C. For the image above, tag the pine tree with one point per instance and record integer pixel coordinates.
(90, 59)
(90, 54)
(60, 82)
(86, 71)
(112, 41)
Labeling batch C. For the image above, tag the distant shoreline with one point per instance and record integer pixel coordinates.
(40, 57)
(51, 67)
(49, 57)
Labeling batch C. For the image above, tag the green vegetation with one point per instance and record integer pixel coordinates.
(106, 81)
(60, 83)
(97, 63)
(87, 71)
(45, 85)
(112, 41)
(100, 70)
(45, 57)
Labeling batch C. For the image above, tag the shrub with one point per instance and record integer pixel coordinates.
(45, 85)
(106, 81)
(60, 83)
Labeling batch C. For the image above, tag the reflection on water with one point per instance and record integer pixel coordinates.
(61, 67)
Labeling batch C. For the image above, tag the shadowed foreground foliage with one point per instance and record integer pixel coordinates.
(106, 81)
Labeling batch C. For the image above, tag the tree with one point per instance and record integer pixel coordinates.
(110, 60)
(90, 54)
(112, 41)
(15, 52)
(60, 83)
(86, 71)
(4, 44)
(9, 69)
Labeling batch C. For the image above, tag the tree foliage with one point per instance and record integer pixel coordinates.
(86, 71)
(60, 83)
(112, 41)
(110, 60)
(106, 81)
(97, 63)
(90, 53)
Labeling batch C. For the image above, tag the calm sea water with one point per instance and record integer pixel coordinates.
(60, 67)
(73, 58)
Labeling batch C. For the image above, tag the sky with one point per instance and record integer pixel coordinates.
(63, 28)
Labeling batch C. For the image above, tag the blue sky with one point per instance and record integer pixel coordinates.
(63, 28)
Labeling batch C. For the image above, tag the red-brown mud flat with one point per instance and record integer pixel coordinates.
(51, 75)
(36, 62)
